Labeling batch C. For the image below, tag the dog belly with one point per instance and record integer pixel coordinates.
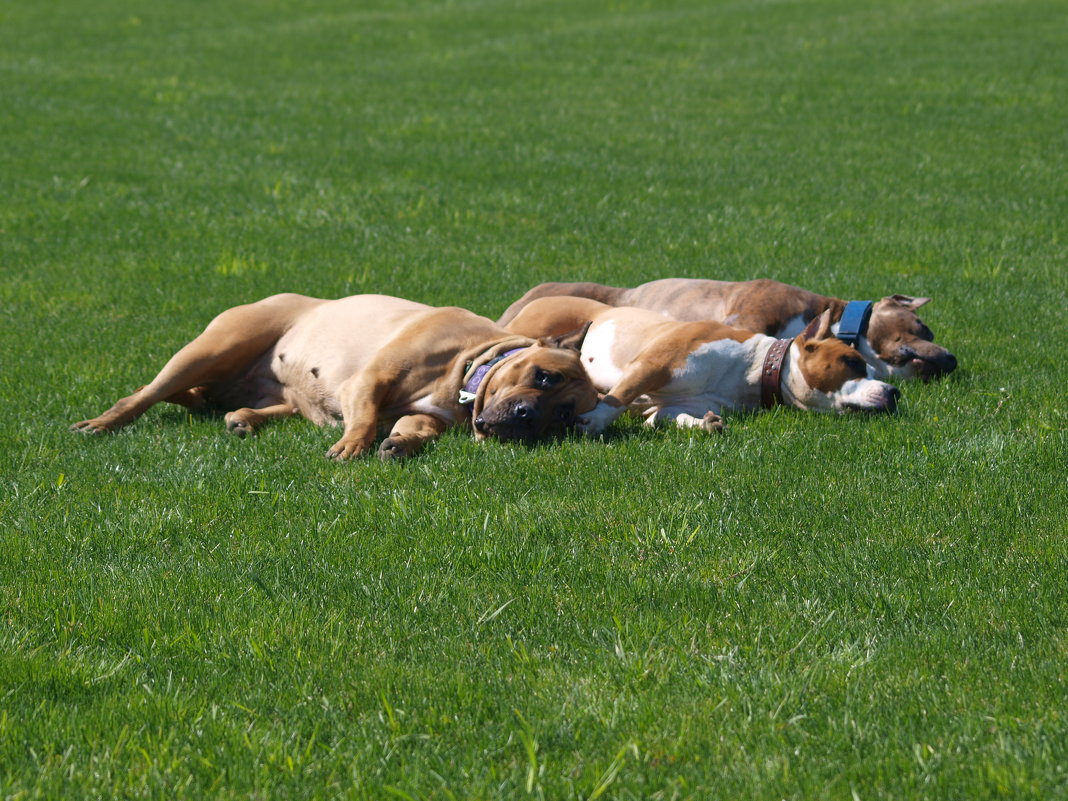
(331, 343)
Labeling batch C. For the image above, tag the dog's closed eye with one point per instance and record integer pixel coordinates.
(855, 364)
(543, 379)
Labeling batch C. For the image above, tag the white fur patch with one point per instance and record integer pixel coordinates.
(424, 405)
(714, 377)
(864, 393)
(597, 356)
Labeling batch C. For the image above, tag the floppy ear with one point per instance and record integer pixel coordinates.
(572, 339)
(908, 302)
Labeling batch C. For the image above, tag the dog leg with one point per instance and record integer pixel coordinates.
(710, 421)
(189, 398)
(640, 377)
(229, 344)
(409, 435)
(360, 398)
(242, 422)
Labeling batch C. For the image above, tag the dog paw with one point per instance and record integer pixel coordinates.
(90, 427)
(345, 449)
(392, 450)
(713, 422)
(596, 420)
(589, 428)
(238, 425)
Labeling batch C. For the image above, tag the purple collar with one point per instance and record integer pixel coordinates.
(470, 388)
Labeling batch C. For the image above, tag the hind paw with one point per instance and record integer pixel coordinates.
(712, 422)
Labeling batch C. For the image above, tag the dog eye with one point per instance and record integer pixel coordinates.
(854, 364)
(543, 379)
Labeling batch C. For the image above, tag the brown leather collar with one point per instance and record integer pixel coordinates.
(770, 393)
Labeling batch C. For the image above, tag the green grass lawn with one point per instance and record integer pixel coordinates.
(803, 607)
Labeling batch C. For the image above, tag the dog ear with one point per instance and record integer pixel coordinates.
(908, 302)
(819, 328)
(572, 339)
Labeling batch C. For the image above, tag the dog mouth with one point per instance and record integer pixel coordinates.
(884, 402)
(926, 366)
(516, 420)
(504, 431)
(522, 420)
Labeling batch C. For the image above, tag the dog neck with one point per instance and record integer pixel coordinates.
(854, 322)
(475, 375)
(771, 374)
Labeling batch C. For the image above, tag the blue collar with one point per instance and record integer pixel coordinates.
(470, 388)
(854, 322)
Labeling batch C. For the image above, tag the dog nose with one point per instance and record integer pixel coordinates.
(932, 365)
(524, 411)
(480, 425)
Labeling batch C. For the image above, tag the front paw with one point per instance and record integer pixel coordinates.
(238, 424)
(346, 449)
(596, 420)
(95, 426)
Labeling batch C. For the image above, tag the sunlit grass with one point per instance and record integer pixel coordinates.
(802, 607)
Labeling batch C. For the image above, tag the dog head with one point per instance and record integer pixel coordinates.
(539, 391)
(831, 376)
(898, 344)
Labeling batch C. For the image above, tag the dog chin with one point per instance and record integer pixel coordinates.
(504, 430)
(868, 396)
(921, 368)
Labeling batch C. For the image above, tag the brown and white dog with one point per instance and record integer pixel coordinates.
(373, 361)
(688, 372)
(894, 341)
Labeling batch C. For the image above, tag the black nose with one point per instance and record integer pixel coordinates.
(948, 363)
(480, 425)
(895, 393)
(523, 411)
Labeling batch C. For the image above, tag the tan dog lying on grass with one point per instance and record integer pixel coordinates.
(373, 361)
(688, 372)
(889, 336)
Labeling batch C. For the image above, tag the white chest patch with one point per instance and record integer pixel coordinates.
(715, 366)
(715, 376)
(425, 405)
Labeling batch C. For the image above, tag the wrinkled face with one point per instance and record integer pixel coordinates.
(537, 393)
(901, 345)
(836, 377)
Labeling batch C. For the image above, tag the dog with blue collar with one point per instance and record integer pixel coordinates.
(888, 334)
